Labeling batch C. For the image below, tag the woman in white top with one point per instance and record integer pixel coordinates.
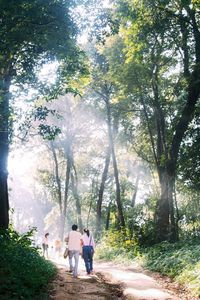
(45, 245)
(88, 250)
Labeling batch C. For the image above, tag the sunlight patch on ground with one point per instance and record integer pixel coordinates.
(125, 275)
(137, 285)
(147, 294)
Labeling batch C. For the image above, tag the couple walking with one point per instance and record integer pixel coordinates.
(80, 244)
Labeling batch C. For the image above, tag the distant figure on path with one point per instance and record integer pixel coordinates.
(58, 246)
(45, 245)
(74, 246)
(88, 250)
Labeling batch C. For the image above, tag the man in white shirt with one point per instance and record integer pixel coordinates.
(74, 247)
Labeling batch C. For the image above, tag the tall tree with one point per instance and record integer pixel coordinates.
(103, 89)
(63, 148)
(31, 33)
(101, 192)
(162, 67)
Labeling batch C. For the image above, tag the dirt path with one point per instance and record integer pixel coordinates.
(138, 284)
(110, 282)
(85, 287)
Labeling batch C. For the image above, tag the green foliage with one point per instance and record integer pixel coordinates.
(189, 159)
(141, 223)
(191, 277)
(179, 261)
(118, 246)
(24, 274)
(34, 33)
(189, 225)
(48, 132)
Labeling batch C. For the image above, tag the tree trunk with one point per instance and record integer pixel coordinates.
(115, 167)
(62, 225)
(173, 222)
(66, 192)
(135, 191)
(165, 220)
(108, 217)
(57, 176)
(162, 210)
(62, 217)
(166, 226)
(4, 148)
(76, 197)
(88, 215)
(101, 191)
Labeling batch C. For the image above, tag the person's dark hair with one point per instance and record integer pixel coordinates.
(74, 227)
(87, 231)
(47, 234)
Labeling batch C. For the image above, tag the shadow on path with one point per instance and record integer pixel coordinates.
(137, 284)
(110, 282)
(85, 287)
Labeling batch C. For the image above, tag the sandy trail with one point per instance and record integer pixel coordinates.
(90, 287)
(110, 282)
(137, 283)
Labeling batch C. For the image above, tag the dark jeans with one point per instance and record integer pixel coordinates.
(88, 258)
(45, 249)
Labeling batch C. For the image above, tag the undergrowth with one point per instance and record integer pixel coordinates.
(24, 274)
(180, 261)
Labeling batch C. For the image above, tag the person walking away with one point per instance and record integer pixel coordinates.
(58, 246)
(45, 245)
(88, 250)
(74, 246)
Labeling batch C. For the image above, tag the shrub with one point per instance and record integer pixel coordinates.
(117, 245)
(179, 261)
(24, 274)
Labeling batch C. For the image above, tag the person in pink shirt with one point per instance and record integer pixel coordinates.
(74, 246)
(45, 245)
(88, 250)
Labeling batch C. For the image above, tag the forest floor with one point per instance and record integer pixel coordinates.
(113, 282)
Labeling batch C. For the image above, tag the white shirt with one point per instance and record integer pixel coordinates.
(45, 241)
(74, 240)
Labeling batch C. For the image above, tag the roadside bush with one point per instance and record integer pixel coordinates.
(116, 245)
(179, 260)
(191, 278)
(24, 274)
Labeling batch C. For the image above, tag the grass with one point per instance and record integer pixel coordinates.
(24, 274)
(180, 261)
